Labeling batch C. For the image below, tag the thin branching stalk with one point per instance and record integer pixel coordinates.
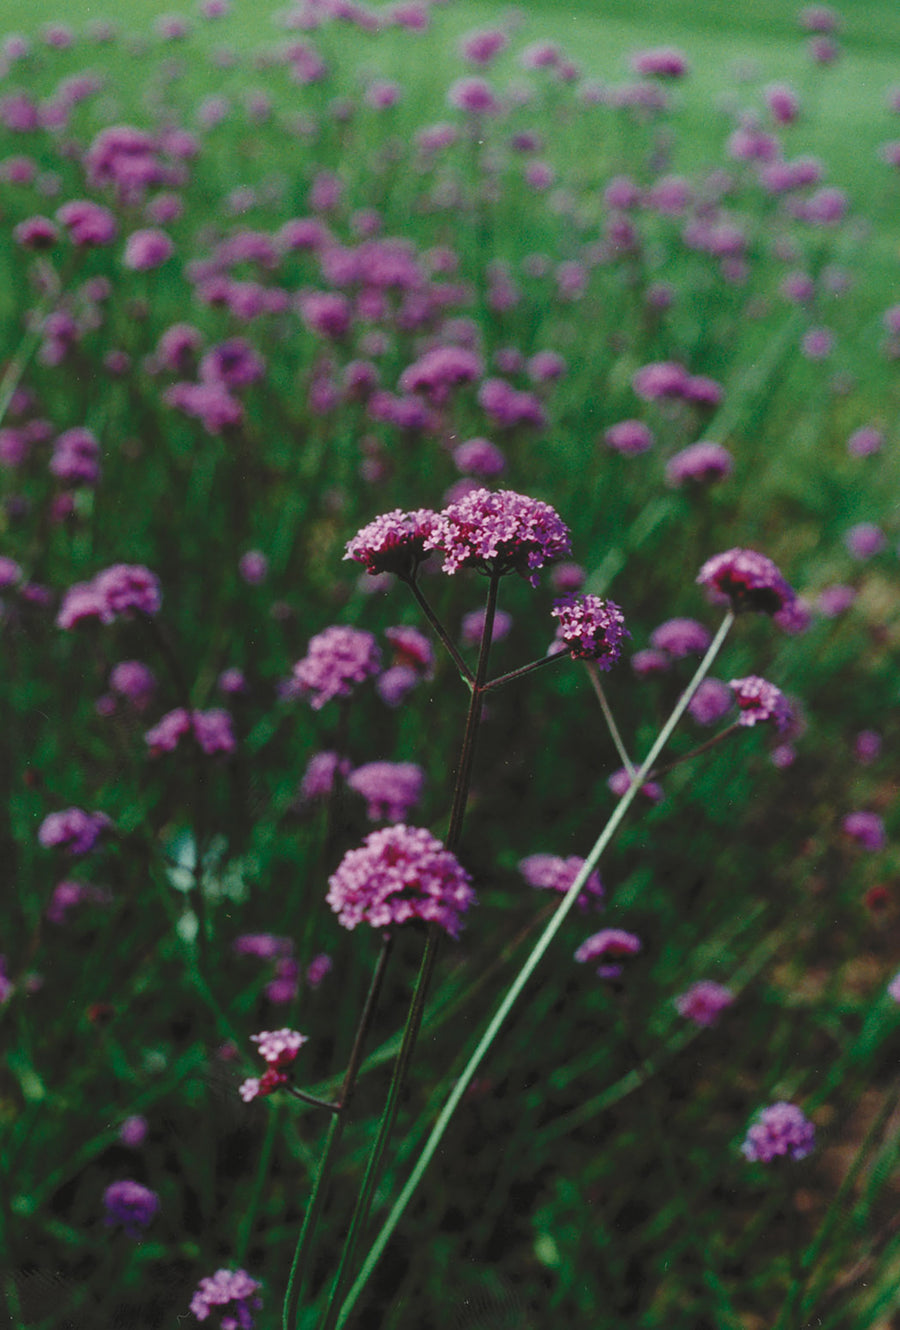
(441, 631)
(597, 685)
(515, 989)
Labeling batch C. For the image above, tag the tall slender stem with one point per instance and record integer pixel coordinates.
(417, 1002)
(332, 1140)
(597, 684)
(439, 628)
(527, 970)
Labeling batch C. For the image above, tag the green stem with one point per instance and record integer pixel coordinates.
(417, 1002)
(439, 629)
(525, 669)
(332, 1141)
(695, 752)
(594, 676)
(526, 972)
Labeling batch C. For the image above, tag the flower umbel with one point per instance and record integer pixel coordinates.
(222, 1289)
(782, 1130)
(500, 532)
(400, 873)
(590, 629)
(393, 542)
(748, 580)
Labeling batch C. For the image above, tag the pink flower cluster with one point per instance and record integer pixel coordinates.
(121, 589)
(72, 830)
(760, 701)
(782, 1131)
(590, 629)
(746, 579)
(231, 1289)
(278, 1049)
(336, 660)
(400, 873)
(211, 730)
(499, 533)
(393, 542)
(704, 1001)
(551, 872)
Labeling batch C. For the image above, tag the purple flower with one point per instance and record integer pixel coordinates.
(133, 1131)
(609, 945)
(864, 540)
(867, 829)
(781, 1130)
(507, 406)
(278, 1047)
(867, 746)
(322, 773)
(620, 783)
(439, 371)
(681, 637)
(327, 313)
(395, 684)
(703, 1002)
(233, 1290)
(234, 363)
(649, 662)
(479, 457)
(472, 626)
(710, 702)
(660, 62)
(748, 580)
(264, 946)
(209, 402)
(125, 588)
(36, 233)
(629, 437)
(395, 542)
(318, 968)
(484, 46)
(499, 533)
(400, 873)
(336, 660)
(893, 988)
(865, 441)
(700, 464)
(664, 378)
(590, 629)
(550, 872)
(72, 830)
(253, 567)
(67, 895)
(760, 701)
(389, 788)
(131, 1205)
(75, 458)
(817, 343)
(211, 729)
(146, 249)
(87, 223)
(473, 95)
(835, 600)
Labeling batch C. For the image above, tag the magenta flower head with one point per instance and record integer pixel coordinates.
(867, 829)
(629, 437)
(133, 680)
(780, 1131)
(147, 249)
(278, 1047)
(128, 588)
(36, 233)
(133, 1131)
(760, 701)
(129, 1204)
(390, 789)
(400, 873)
(474, 95)
(411, 648)
(72, 830)
(336, 660)
(590, 629)
(231, 1292)
(550, 872)
(704, 1001)
(87, 223)
(609, 946)
(746, 579)
(395, 542)
(700, 464)
(660, 62)
(499, 533)
(681, 637)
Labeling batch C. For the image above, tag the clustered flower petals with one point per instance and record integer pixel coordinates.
(336, 660)
(551, 872)
(72, 830)
(390, 789)
(393, 542)
(746, 579)
(122, 589)
(760, 701)
(278, 1047)
(131, 1205)
(211, 730)
(400, 873)
(590, 629)
(499, 532)
(703, 1002)
(610, 944)
(782, 1130)
(222, 1289)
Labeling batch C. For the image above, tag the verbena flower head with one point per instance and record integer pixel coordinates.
(700, 464)
(400, 873)
(336, 660)
(227, 1290)
(590, 629)
(133, 1131)
(551, 872)
(710, 702)
(681, 637)
(278, 1047)
(704, 1001)
(126, 588)
(893, 988)
(760, 701)
(390, 789)
(133, 680)
(629, 437)
(867, 829)
(499, 532)
(747, 580)
(395, 542)
(129, 1204)
(781, 1131)
(610, 945)
(72, 830)
(210, 729)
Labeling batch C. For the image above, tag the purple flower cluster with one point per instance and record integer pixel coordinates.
(336, 660)
(760, 701)
(400, 873)
(395, 542)
(704, 1002)
(781, 1131)
(278, 1049)
(609, 946)
(72, 830)
(130, 1205)
(211, 730)
(680, 638)
(866, 829)
(390, 789)
(667, 379)
(551, 872)
(701, 464)
(121, 589)
(747, 580)
(439, 371)
(499, 533)
(233, 1290)
(590, 629)
(76, 457)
